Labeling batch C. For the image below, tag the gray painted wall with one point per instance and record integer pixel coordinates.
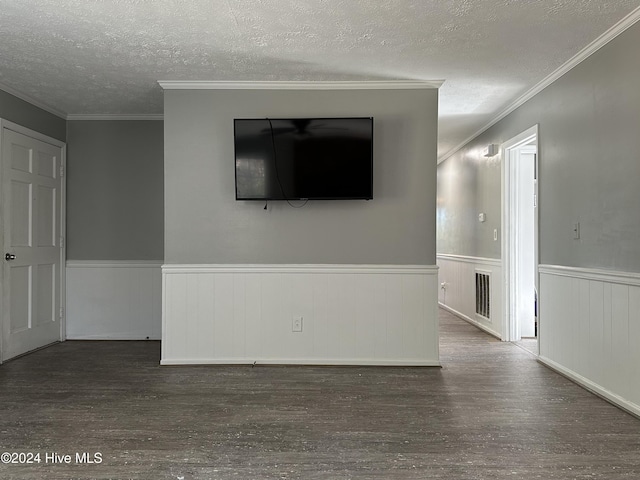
(469, 184)
(589, 168)
(205, 224)
(23, 113)
(115, 191)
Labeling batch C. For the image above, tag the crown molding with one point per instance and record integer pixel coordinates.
(578, 58)
(109, 116)
(312, 85)
(33, 101)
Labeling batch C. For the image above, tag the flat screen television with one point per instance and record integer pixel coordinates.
(304, 158)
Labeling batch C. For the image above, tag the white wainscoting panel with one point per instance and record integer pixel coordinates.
(458, 296)
(590, 330)
(352, 314)
(114, 300)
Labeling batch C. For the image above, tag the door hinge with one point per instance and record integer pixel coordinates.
(62, 170)
(61, 242)
(535, 200)
(61, 313)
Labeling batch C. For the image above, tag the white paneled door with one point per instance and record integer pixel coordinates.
(32, 251)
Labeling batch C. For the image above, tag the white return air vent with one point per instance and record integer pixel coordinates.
(483, 294)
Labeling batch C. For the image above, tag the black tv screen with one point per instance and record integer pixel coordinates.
(304, 158)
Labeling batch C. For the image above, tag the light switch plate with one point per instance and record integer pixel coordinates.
(296, 324)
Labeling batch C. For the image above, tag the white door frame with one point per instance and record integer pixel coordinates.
(63, 218)
(510, 327)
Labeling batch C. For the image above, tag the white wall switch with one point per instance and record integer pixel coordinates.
(481, 217)
(495, 234)
(296, 325)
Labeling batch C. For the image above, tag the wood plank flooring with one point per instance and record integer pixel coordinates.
(491, 412)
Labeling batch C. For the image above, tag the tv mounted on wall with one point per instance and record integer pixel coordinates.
(304, 158)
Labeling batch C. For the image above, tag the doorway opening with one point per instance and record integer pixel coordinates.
(520, 239)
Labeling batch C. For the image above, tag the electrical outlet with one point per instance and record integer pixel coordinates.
(296, 325)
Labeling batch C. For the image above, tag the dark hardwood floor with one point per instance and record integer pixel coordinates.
(492, 412)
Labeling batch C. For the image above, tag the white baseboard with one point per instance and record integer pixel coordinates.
(593, 387)
(302, 362)
(352, 314)
(114, 300)
(470, 320)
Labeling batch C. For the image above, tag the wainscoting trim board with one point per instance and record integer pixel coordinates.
(114, 300)
(610, 276)
(496, 262)
(113, 264)
(341, 269)
(590, 330)
(351, 314)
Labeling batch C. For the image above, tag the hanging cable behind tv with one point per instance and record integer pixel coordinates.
(275, 163)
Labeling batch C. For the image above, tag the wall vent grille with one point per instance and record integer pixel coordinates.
(483, 294)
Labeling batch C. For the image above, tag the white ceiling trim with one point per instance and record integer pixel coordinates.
(319, 85)
(578, 58)
(108, 116)
(33, 101)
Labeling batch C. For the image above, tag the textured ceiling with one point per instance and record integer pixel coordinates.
(105, 56)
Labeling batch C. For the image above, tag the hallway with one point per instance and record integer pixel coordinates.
(491, 412)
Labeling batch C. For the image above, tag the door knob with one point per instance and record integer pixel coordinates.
(9, 256)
